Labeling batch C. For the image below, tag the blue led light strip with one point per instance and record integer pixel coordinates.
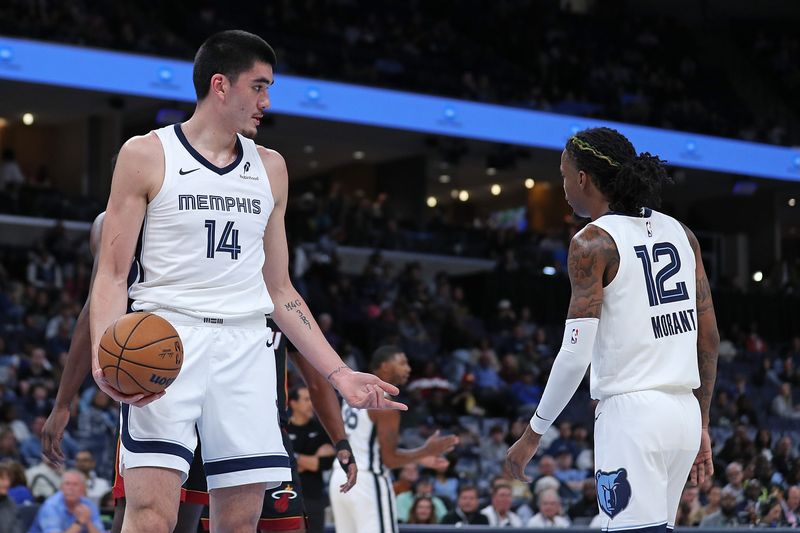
(123, 73)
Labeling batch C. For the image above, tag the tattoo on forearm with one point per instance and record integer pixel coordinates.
(707, 365)
(304, 319)
(292, 305)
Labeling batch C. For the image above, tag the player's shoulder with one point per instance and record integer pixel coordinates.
(272, 159)
(141, 146)
(592, 237)
(693, 242)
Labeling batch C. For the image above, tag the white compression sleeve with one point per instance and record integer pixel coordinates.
(567, 373)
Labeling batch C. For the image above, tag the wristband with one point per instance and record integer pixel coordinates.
(344, 444)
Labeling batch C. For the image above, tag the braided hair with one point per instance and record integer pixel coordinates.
(629, 181)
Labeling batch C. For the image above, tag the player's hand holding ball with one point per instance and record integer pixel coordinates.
(140, 355)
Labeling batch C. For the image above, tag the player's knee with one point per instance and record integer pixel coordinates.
(149, 516)
(237, 523)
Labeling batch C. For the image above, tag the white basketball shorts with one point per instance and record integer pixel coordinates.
(645, 444)
(227, 390)
(369, 507)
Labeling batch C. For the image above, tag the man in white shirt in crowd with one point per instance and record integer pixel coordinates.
(499, 511)
(549, 514)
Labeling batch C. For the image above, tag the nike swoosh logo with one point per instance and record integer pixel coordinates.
(598, 416)
(184, 172)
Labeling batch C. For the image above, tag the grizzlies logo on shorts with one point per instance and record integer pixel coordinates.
(613, 491)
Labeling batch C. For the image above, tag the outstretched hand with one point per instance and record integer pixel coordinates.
(703, 464)
(521, 453)
(365, 391)
(137, 400)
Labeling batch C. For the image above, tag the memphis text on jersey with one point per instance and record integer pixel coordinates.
(210, 202)
(673, 323)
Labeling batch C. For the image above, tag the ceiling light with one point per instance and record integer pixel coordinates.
(27, 119)
(758, 276)
(358, 154)
(431, 201)
(792, 202)
(444, 178)
(308, 149)
(529, 183)
(491, 171)
(463, 196)
(495, 189)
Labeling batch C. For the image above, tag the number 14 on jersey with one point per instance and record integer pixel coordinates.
(228, 241)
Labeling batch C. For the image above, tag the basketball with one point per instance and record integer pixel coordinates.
(140, 353)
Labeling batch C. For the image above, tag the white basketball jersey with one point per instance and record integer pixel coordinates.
(363, 436)
(201, 247)
(647, 335)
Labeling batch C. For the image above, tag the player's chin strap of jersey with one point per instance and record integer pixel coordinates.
(567, 373)
(344, 444)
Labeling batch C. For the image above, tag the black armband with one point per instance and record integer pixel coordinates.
(344, 444)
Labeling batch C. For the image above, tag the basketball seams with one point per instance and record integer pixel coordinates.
(130, 334)
(144, 389)
(131, 348)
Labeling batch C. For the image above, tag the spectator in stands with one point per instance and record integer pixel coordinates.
(96, 486)
(690, 512)
(43, 270)
(771, 514)
(406, 478)
(586, 508)
(422, 511)
(493, 452)
(564, 440)
(423, 488)
(11, 176)
(97, 425)
(19, 491)
(466, 511)
(547, 469)
(43, 479)
(8, 509)
(39, 401)
(726, 516)
(783, 456)
(738, 447)
(445, 482)
(783, 403)
(712, 504)
(67, 507)
(31, 448)
(566, 472)
(9, 449)
(735, 477)
(791, 506)
(499, 512)
(549, 515)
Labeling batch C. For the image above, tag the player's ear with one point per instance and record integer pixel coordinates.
(219, 85)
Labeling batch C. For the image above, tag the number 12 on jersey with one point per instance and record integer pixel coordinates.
(228, 241)
(657, 293)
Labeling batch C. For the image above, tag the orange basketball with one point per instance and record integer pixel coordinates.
(140, 353)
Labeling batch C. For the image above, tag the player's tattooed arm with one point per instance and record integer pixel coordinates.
(297, 307)
(593, 263)
(707, 333)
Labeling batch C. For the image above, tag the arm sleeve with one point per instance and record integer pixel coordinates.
(567, 373)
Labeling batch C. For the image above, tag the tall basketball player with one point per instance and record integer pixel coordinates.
(214, 262)
(641, 313)
(370, 506)
(283, 508)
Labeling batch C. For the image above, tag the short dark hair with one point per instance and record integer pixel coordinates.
(383, 354)
(465, 488)
(230, 53)
(294, 393)
(629, 181)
